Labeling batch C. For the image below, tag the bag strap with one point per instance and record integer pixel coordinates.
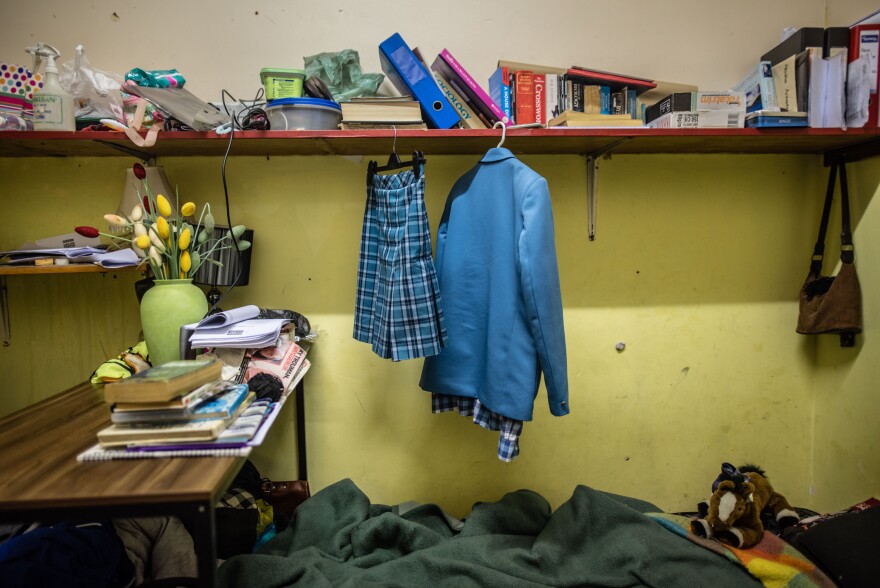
(846, 242)
(847, 250)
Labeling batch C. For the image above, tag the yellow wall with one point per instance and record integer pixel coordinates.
(696, 265)
(695, 268)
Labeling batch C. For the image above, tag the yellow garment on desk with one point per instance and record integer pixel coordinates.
(124, 365)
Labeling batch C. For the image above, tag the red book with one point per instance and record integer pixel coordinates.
(864, 41)
(605, 78)
(524, 82)
(540, 99)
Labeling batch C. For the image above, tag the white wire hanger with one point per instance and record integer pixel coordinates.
(503, 132)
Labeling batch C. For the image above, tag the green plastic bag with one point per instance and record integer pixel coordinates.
(342, 73)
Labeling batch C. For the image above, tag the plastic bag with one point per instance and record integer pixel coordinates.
(342, 73)
(95, 92)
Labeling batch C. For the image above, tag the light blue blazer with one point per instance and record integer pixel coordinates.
(499, 286)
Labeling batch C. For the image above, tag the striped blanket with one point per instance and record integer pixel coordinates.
(772, 561)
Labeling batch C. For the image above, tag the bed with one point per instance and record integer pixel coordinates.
(340, 538)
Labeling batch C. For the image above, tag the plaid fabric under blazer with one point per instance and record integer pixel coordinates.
(499, 282)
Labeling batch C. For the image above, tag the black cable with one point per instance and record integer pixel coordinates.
(251, 118)
(224, 93)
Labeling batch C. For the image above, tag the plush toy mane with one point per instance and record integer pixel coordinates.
(733, 512)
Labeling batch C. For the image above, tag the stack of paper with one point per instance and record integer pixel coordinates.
(247, 333)
(111, 259)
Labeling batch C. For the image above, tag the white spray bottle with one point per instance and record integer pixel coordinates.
(53, 107)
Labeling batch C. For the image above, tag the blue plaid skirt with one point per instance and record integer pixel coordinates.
(510, 429)
(398, 307)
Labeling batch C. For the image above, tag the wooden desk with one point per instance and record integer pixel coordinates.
(40, 477)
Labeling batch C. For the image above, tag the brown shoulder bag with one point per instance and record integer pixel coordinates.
(833, 304)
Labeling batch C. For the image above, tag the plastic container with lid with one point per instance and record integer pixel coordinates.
(303, 114)
(282, 83)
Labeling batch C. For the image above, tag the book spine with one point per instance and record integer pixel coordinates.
(468, 118)
(631, 108)
(618, 102)
(540, 99)
(675, 102)
(525, 97)
(499, 89)
(604, 100)
(577, 96)
(506, 97)
(494, 113)
(767, 87)
(783, 81)
(457, 87)
(551, 91)
(730, 100)
(700, 119)
(592, 99)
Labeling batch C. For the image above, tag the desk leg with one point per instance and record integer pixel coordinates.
(300, 392)
(205, 539)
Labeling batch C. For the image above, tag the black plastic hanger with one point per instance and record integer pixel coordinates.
(394, 162)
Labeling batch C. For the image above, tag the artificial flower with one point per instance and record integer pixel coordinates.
(162, 227)
(163, 205)
(173, 246)
(116, 220)
(185, 262)
(184, 239)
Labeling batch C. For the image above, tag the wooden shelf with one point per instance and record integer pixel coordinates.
(74, 268)
(447, 142)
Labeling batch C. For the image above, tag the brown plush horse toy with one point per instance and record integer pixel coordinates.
(733, 513)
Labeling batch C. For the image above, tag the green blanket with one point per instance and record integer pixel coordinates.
(339, 538)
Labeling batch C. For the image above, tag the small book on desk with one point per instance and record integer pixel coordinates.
(221, 400)
(204, 430)
(164, 382)
(98, 453)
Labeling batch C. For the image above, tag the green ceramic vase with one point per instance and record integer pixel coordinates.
(165, 307)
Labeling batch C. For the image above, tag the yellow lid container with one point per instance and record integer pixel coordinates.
(282, 83)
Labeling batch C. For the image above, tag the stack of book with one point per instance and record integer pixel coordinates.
(531, 93)
(382, 112)
(176, 403)
(207, 406)
(570, 118)
(697, 110)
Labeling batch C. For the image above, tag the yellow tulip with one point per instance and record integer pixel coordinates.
(185, 262)
(188, 209)
(163, 205)
(185, 238)
(142, 241)
(162, 227)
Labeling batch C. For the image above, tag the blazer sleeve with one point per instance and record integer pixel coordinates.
(539, 275)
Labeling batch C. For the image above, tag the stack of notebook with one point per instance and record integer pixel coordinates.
(178, 408)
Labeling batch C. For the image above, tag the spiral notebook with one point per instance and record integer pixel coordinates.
(98, 453)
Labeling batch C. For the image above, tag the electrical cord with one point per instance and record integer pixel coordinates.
(251, 118)
(226, 200)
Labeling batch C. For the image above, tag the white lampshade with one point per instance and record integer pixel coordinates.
(157, 182)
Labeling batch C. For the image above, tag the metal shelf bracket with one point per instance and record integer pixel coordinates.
(592, 161)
